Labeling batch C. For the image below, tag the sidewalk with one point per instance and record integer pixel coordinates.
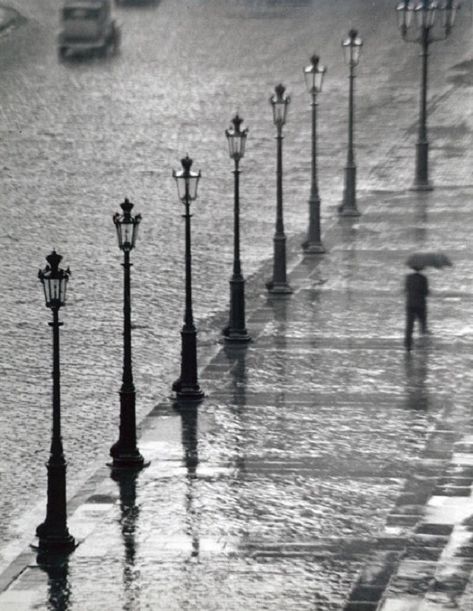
(325, 469)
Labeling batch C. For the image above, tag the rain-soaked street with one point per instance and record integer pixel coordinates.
(318, 446)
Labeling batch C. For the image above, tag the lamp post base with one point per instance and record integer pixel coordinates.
(236, 336)
(236, 331)
(422, 186)
(312, 247)
(344, 210)
(279, 288)
(54, 542)
(191, 394)
(127, 460)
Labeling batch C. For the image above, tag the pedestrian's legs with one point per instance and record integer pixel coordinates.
(410, 315)
(422, 315)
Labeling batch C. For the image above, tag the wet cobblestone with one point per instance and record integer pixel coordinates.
(305, 443)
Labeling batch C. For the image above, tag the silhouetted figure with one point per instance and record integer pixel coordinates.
(416, 289)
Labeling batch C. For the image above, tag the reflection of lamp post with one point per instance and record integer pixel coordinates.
(129, 513)
(425, 13)
(125, 452)
(352, 48)
(189, 435)
(314, 75)
(187, 387)
(279, 284)
(53, 532)
(56, 567)
(236, 330)
(239, 374)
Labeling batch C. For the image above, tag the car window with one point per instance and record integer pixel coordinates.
(81, 13)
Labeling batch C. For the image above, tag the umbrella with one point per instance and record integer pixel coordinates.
(428, 259)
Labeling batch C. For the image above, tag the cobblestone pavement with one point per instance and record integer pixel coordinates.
(324, 470)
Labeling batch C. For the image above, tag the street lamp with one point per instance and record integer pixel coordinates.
(125, 452)
(352, 49)
(420, 29)
(314, 76)
(187, 387)
(236, 329)
(53, 533)
(279, 284)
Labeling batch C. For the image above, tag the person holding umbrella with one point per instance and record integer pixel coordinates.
(416, 288)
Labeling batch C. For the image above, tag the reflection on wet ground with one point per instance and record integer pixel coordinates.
(58, 585)
(417, 389)
(316, 468)
(127, 482)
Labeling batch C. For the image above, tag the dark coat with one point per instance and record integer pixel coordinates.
(417, 289)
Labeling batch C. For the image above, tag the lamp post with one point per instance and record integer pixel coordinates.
(125, 452)
(236, 329)
(53, 533)
(352, 49)
(187, 387)
(314, 75)
(421, 30)
(279, 284)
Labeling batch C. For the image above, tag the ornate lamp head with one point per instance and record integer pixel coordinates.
(54, 280)
(127, 226)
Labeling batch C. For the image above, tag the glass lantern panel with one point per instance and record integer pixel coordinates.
(242, 145)
(236, 145)
(63, 290)
(233, 144)
(46, 291)
(420, 14)
(409, 14)
(181, 186)
(355, 54)
(347, 51)
(357, 50)
(193, 182)
(319, 77)
(425, 14)
(431, 13)
(230, 139)
(309, 79)
(126, 230)
(278, 112)
(449, 15)
(53, 290)
(135, 233)
(404, 14)
(119, 234)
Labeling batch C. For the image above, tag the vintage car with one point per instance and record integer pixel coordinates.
(87, 26)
